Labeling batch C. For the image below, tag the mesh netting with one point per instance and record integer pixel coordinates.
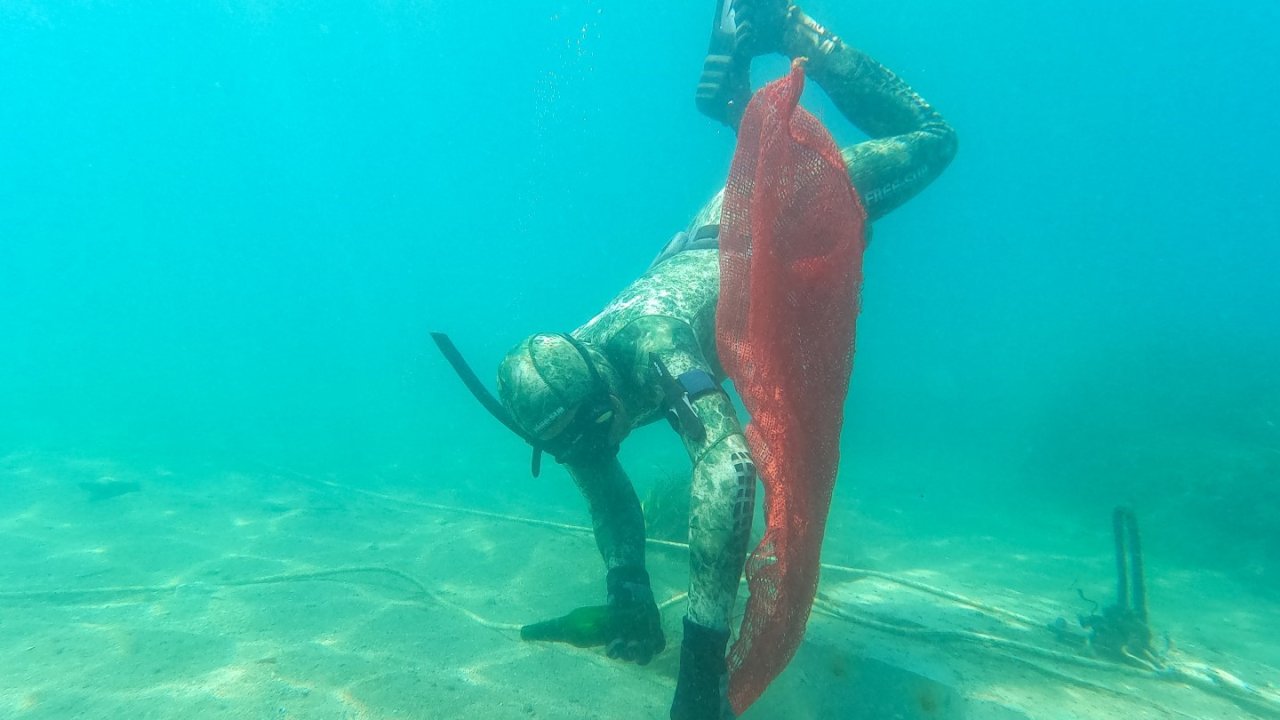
(791, 241)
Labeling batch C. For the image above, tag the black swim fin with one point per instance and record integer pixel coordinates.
(725, 86)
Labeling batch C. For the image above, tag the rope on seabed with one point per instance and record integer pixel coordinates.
(118, 591)
(863, 572)
(1207, 678)
(1203, 677)
(826, 606)
(334, 574)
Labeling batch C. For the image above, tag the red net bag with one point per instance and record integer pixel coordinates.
(791, 242)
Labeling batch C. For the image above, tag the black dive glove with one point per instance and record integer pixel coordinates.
(636, 626)
(703, 684)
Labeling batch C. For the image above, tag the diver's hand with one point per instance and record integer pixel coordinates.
(761, 25)
(636, 625)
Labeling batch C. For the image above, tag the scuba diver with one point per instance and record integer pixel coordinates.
(651, 354)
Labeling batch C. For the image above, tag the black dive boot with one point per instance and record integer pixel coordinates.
(702, 690)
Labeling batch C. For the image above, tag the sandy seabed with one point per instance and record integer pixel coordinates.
(150, 593)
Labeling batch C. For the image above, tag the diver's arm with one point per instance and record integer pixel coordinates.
(910, 142)
(615, 510)
(635, 630)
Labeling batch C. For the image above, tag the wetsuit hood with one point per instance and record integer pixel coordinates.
(552, 388)
(553, 397)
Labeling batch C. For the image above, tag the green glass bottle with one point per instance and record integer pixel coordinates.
(585, 627)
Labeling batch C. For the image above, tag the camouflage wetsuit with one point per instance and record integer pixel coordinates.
(670, 312)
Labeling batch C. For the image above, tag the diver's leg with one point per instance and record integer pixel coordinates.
(911, 143)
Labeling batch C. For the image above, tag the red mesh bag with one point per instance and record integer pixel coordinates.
(791, 242)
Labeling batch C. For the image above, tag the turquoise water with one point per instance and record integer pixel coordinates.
(226, 229)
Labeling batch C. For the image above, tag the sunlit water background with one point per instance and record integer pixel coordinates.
(226, 229)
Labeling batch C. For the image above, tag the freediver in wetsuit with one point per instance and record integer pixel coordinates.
(652, 352)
